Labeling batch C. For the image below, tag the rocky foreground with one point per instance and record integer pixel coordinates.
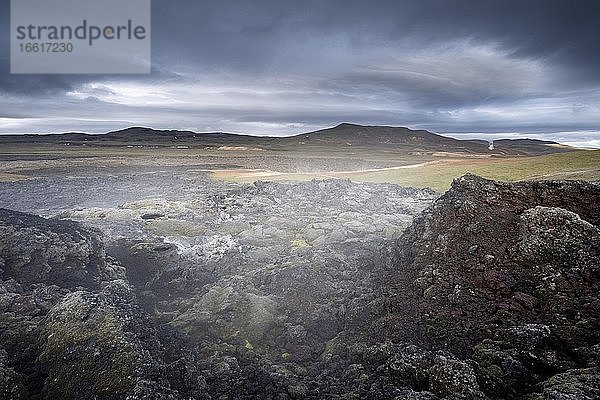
(310, 290)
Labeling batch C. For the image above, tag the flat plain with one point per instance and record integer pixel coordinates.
(363, 154)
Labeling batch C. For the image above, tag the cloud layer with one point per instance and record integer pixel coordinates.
(280, 67)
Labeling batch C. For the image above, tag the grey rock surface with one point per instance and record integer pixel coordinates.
(312, 290)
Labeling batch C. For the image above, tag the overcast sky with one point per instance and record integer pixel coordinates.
(472, 68)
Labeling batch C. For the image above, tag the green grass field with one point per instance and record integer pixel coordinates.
(437, 172)
(575, 165)
(584, 164)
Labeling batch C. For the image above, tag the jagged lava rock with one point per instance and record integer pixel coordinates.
(70, 326)
(505, 273)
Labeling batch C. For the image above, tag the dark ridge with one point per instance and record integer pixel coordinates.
(342, 136)
(524, 141)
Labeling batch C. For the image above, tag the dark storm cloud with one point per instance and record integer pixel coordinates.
(48, 84)
(271, 36)
(276, 66)
(267, 35)
(34, 84)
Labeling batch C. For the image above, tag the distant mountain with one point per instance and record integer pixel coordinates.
(138, 132)
(153, 135)
(386, 136)
(369, 135)
(343, 136)
(401, 138)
